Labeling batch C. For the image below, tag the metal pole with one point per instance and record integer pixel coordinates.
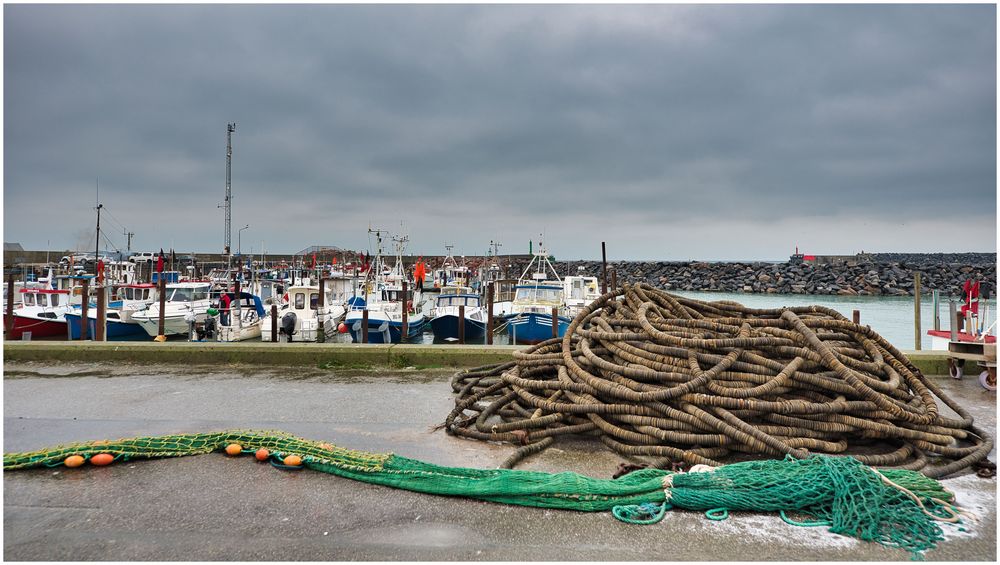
(230, 128)
(604, 270)
(84, 304)
(489, 313)
(461, 323)
(102, 306)
(364, 326)
(404, 335)
(916, 311)
(274, 323)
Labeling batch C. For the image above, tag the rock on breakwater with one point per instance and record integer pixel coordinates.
(883, 274)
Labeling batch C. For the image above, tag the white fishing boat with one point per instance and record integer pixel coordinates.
(579, 291)
(302, 314)
(385, 302)
(42, 313)
(246, 318)
(450, 273)
(184, 302)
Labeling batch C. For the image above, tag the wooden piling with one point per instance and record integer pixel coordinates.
(614, 279)
(857, 317)
(489, 313)
(84, 306)
(9, 319)
(953, 319)
(274, 323)
(555, 322)
(935, 297)
(461, 323)
(604, 270)
(916, 311)
(364, 326)
(320, 310)
(162, 284)
(404, 333)
(100, 328)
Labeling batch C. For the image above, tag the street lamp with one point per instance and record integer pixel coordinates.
(239, 239)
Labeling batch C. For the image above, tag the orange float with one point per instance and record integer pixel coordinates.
(102, 459)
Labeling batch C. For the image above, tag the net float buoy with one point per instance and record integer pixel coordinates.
(74, 461)
(262, 454)
(292, 461)
(102, 459)
(342, 328)
(234, 449)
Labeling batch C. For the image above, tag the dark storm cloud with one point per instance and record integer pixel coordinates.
(670, 131)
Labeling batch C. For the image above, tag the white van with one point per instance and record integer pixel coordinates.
(143, 257)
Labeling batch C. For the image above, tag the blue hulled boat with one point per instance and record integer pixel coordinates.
(535, 295)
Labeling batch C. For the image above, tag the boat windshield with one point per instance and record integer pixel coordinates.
(452, 300)
(189, 294)
(538, 294)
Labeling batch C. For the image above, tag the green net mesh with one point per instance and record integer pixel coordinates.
(894, 507)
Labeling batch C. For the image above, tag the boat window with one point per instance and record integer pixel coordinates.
(29, 300)
(300, 300)
(313, 300)
(55, 300)
(181, 295)
(42, 300)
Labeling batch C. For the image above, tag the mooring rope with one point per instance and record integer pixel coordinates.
(669, 379)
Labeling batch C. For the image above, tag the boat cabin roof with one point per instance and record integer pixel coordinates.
(543, 286)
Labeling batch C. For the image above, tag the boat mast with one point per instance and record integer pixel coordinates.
(97, 248)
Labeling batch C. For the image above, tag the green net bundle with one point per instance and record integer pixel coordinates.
(848, 496)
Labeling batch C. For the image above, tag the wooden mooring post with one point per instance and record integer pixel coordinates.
(555, 322)
(84, 307)
(364, 326)
(320, 311)
(274, 323)
(100, 328)
(404, 332)
(162, 285)
(604, 270)
(916, 311)
(857, 317)
(614, 279)
(461, 324)
(489, 313)
(9, 314)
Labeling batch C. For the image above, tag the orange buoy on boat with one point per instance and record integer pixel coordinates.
(262, 454)
(102, 459)
(74, 461)
(342, 328)
(293, 461)
(234, 449)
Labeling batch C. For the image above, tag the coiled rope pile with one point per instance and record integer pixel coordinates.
(674, 381)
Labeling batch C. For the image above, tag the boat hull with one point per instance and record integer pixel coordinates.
(37, 327)
(172, 325)
(534, 328)
(394, 329)
(446, 327)
(113, 329)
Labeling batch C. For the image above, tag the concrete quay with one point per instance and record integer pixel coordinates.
(321, 355)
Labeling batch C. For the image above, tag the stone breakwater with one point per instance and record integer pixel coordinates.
(884, 274)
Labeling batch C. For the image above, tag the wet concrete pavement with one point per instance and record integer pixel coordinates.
(216, 508)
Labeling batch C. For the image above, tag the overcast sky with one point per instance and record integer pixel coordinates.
(670, 132)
